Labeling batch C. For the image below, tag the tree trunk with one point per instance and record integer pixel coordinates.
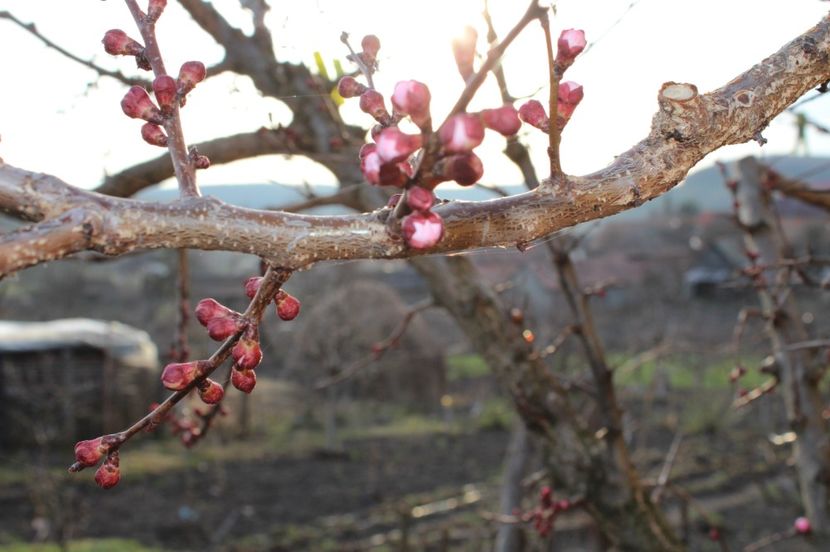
(623, 515)
(509, 536)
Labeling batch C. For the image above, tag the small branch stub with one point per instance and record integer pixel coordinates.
(681, 111)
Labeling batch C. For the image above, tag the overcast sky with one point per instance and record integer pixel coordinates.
(52, 120)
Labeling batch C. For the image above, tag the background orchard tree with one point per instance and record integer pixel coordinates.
(432, 148)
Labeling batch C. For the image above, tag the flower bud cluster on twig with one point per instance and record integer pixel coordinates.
(570, 44)
(544, 515)
(221, 323)
(170, 93)
(417, 163)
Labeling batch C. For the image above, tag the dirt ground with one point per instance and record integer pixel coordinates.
(222, 503)
(431, 489)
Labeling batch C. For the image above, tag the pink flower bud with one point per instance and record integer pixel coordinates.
(366, 149)
(348, 87)
(244, 380)
(504, 120)
(154, 9)
(419, 199)
(394, 145)
(117, 43)
(153, 135)
(462, 133)
(288, 306)
(570, 94)
(422, 230)
(164, 88)
(371, 102)
(88, 453)
(563, 505)
(209, 308)
(252, 285)
(394, 174)
(211, 392)
(466, 168)
(371, 46)
(190, 74)
(109, 474)
(178, 375)
(546, 496)
(219, 329)
(534, 114)
(370, 166)
(571, 43)
(137, 104)
(464, 50)
(247, 353)
(412, 98)
(802, 526)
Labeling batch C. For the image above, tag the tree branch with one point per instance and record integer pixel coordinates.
(221, 150)
(686, 128)
(49, 240)
(117, 75)
(798, 189)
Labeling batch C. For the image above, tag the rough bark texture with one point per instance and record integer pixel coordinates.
(687, 127)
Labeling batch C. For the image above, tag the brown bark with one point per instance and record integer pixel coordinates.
(686, 127)
(800, 369)
(624, 481)
(544, 405)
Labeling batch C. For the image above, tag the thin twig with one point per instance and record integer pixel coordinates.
(32, 29)
(180, 349)
(378, 349)
(176, 144)
(553, 102)
(534, 11)
(271, 283)
(668, 464)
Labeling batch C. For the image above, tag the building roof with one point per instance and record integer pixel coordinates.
(130, 346)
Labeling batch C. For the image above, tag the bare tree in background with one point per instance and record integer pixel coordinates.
(687, 126)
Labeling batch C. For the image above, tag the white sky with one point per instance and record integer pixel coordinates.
(52, 121)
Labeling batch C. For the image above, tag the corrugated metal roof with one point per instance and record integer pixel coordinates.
(130, 346)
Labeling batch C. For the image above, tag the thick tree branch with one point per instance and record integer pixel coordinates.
(687, 127)
(221, 150)
(51, 239)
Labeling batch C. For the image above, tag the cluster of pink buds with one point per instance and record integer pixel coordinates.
(544, 515)
(220, 321)
(169, 92)
(397, 158)
(89, 453)
(571, 43)
(247, 353)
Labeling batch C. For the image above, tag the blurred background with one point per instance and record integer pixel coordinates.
(340, 448)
